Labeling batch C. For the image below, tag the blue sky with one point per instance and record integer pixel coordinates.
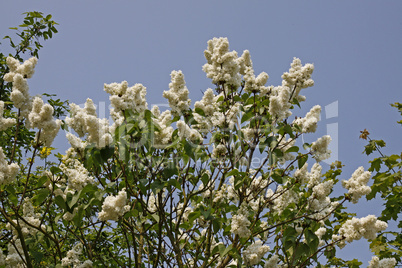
(354, 45)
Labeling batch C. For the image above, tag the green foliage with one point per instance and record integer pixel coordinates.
(191, 201)
(388, 184)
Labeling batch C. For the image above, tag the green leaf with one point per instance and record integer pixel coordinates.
(75, 199)
(312, 240)
(375, 164)
(193, 216)
(246, 116)
(55, 170)
(11, 194)
(223, 250)
(61, 203)
(293, 149)
(106, 153)
(41, 196)
(175, 183)
(302, 160)
(41, 181)
(189, 149)
(199, 111)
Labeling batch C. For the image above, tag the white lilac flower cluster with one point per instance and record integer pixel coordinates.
(320, 233)
(319, 201)
(298, 77)
(29, 215)
(177, 94)
(212, 117)
(77, 175)
(219, 151)
(222, 66)
(357, 184)
(279, 102)
(282, 198)
(163, 136)
(75, 142)
(240, 223)
(8, 172)
(375, 262)
(272, 262)
(18, 75)
(308, 124)
(250, 133)
(114, 207)
(15, 256)
(5, 122)
(123, 98)
(284, 145)
(41, 117)
(320, 148)
(72, 258)
(186, 132)
(84, 121)
(209, 105)
(38, 114)
(312, 178)
(254, 84)
(15, 252)
(2, 258)
(152, 203)
(252, 254)
(355, 229)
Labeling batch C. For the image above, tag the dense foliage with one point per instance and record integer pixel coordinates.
(223, 183)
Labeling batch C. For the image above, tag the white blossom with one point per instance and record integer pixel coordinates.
(357, 184)
(8, 172)
(5, 122)
(77, 175)
(123, 98)
(209, 106)
(72, 258)
(2, 258)
(240, 223)
(114, 207)
(366, 227)
(250, 133)
(284, 197)
(320, 233)
(272, 262)
(163, 136)
(15, 252)
(284, 145)
(375, 262)
(298, 77)
(31, 217)
(308, 123)
(279, 102)
(76, 142)
(84, 121)
(41, 117)
(152, 203)
(320, 148)
(255, 84)
(252, 254)
(222, 66)
(177, 94)
(219, 151)
(188, 133)
(18, 75)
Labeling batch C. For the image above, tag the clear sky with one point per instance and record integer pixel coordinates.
(354, 45)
